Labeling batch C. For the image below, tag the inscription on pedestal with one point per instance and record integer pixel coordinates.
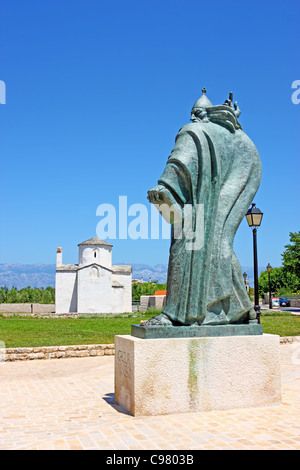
(124, 362)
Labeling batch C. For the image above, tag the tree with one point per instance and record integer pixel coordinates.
(3, 294)
(291, 255)
(27, 295)
(12, 295)
(286, 279)
(144, 288)
(282, 282)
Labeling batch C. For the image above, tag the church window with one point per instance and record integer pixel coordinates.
(94, 273)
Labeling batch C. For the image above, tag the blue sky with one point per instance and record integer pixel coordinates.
(96, 92)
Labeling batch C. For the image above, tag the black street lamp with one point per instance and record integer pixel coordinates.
(269, 269)
(254, 217)
(245, 277)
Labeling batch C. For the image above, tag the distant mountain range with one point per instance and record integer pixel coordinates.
(23, 275)
(43, 275)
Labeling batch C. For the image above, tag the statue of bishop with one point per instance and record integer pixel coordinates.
(214, 166)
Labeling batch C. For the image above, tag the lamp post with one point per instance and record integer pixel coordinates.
(269, 269)
(254, 217)
(245, 277)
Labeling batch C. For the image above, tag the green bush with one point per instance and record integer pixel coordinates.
(27, 295)
(146, 288)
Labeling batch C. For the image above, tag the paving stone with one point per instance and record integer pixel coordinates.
(68, 404)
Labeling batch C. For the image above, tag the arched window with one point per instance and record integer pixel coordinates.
(94, 272)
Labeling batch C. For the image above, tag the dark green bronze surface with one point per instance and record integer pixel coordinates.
(155, 332)
(215, 168)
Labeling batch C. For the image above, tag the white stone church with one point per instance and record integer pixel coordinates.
(93, 285)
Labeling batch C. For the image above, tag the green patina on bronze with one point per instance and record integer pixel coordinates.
(195, 331)
(193, 374)
(213, 165)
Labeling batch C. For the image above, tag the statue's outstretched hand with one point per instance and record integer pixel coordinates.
(237, 110)
(155, 195)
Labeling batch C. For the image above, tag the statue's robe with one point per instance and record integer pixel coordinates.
(213, 163)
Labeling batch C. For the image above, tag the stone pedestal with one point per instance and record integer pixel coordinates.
(185, 375)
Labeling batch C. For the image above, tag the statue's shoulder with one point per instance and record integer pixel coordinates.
(189, 132)
(245, 137)
(194, 127)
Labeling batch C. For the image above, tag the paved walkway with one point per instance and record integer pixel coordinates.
(68, 404)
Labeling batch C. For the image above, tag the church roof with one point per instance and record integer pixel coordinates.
(121, 268)
(67, 267)
(95, 241)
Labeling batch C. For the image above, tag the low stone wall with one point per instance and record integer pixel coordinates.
(152, 301)
(90, 350)
(57, 315)
(56, 352)
(27, 308)
(289, 339)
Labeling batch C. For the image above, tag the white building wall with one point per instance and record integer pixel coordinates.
(94, 290)
(117, 300)
(65, 292)
(124, 278)
(94, 285)
(89, 254)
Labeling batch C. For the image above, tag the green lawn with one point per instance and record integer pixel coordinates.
(20, 331)
(281, 323)
(29, 332)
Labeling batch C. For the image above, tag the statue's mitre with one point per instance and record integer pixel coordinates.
(203, 102)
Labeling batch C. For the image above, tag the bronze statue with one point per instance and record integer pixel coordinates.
(213, 165)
